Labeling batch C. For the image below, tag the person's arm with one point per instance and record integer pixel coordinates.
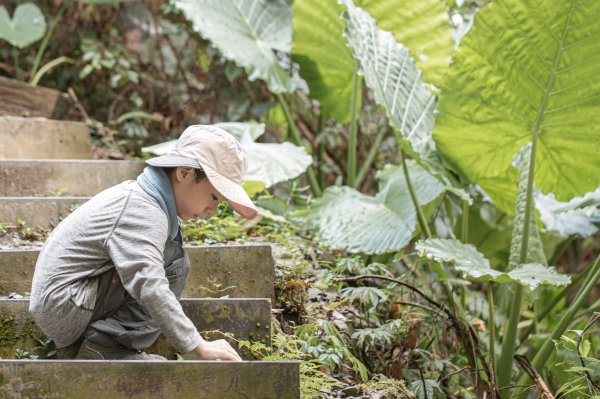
(136, 246)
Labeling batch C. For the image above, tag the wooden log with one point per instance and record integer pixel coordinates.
(22, 99)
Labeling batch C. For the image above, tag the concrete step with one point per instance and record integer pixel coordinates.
(149, 380)
(78, 178)
(246, 319)
(240, 271)
(41, 138)
(44, 212)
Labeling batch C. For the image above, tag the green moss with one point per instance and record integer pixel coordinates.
(387, 389)
(11, 331)
(16, 336)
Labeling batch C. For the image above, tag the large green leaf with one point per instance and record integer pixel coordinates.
(269, 163)
(535, 248)
(474, 265)
(579, 216)
(391, 73)
(326, 63)
(528, 67)
(27, 25)
(344, 218)
(421, 25)
(320, 50)
(248, 33)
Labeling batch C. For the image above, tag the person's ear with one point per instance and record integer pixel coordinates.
(182, 172)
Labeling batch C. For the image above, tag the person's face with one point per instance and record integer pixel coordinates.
(194, 200)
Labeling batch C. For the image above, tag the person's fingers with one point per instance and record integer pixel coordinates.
(233, 352)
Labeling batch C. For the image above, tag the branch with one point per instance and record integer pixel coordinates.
(393, 280)
(535, 376)
(594, 319)
(417, 305)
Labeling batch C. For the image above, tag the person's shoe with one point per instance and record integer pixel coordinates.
(92, 351)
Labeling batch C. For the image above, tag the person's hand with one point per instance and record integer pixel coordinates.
(216, 350)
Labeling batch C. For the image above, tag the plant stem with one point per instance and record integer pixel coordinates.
(321, 151)
(560, 250)
(539, 361)
(510, 332)
(353, 140)
(44, 44)
(548, 308)
(295, 136)
(370, 156)
(16, 58)
(413, 196)
(464, 237)
(509, 338)
(492, 326)
(464, 227)
(57, 61)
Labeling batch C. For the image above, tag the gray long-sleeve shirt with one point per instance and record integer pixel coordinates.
(121, 227)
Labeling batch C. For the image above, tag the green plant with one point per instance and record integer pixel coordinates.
(324, 341)
(218, 229)
(332, 74)
(344, 218)
(314, 382)
(28, 26)
(534, 106)
(45, 350)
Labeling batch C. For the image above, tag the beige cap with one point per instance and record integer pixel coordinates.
(220, 156)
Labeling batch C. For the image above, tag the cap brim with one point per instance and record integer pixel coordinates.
(233, 192)
(171, 160)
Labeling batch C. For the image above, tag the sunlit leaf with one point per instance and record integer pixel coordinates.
(579, 216)
(422, 26)
(391, 73)
(535, 248)
(320, 50)
(527, 68)
(344, 218)
(326, 62)
(466, 259)
(248, 33)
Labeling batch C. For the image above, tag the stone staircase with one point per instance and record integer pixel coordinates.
(229, 290)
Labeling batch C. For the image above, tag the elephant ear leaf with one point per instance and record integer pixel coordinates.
(521, 236)
(390, 71)
(466, 259)
(392, 74)
(422, 26)
(27, 25)
(248, 33)
(328, 66)
(344, 218)
(537, 81)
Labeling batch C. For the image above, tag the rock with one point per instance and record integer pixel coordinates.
(313, 294)
(350, 391)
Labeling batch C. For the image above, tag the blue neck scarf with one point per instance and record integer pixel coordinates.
(155, 182)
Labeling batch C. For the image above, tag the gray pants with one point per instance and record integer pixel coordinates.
(120, 321)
